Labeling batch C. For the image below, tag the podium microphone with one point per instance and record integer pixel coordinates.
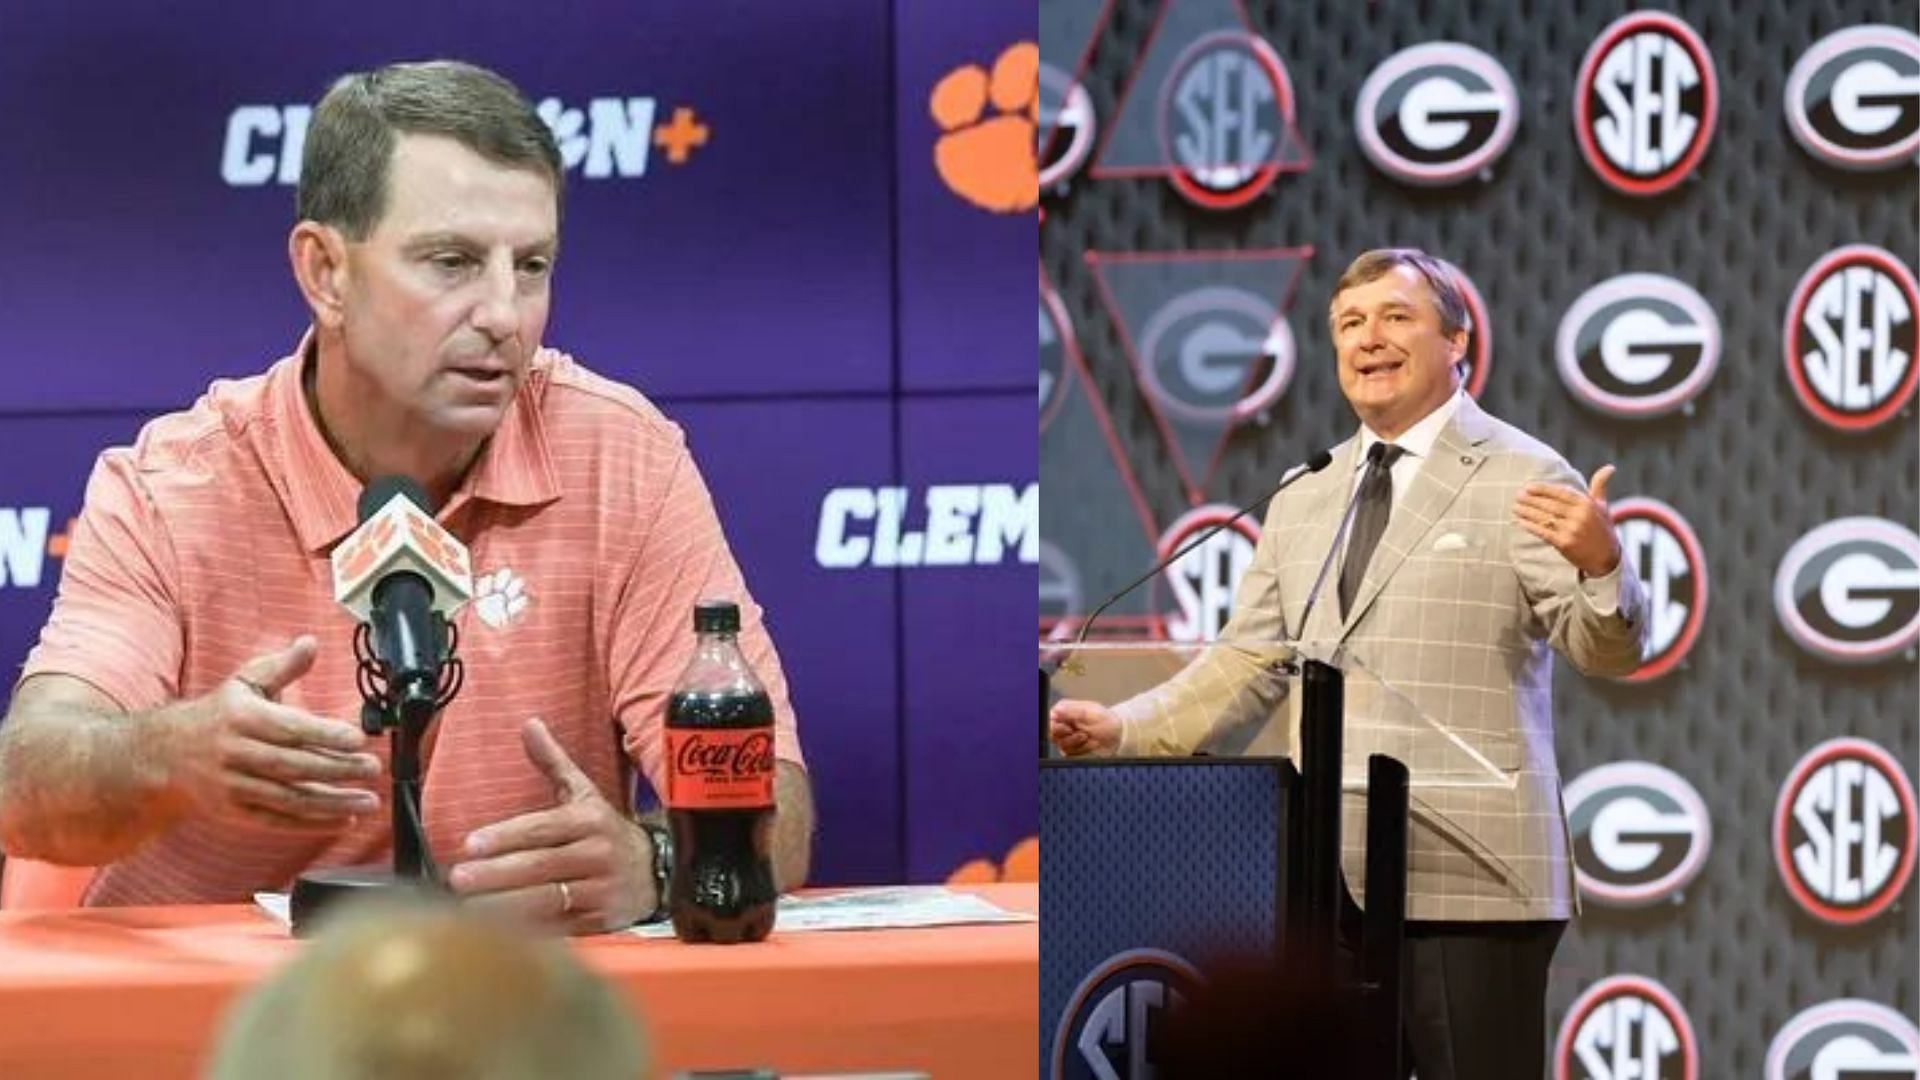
(403, 576)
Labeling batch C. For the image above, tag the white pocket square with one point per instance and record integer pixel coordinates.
(1452, 542)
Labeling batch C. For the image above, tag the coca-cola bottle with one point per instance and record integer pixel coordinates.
(720, 788)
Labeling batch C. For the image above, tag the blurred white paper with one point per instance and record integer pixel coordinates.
(275, 904)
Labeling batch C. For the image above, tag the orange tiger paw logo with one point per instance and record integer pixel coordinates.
(1022, 864)
(988, 156)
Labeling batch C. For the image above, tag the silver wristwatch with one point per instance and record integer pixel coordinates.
(662, 838)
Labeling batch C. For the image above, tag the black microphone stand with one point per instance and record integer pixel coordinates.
(403, 708)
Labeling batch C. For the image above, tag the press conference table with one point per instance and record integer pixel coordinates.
(139, 992)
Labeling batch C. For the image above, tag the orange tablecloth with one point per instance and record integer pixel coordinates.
(139, 992)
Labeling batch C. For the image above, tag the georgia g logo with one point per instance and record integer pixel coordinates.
(1645, 102)
(1845, 1038)
(1111, 1027)
(1436, 114)
(1201, 353)
(1640, 833)
(1628, 1026)
(1843, 831)
(1204, 580)
(1850, 337)
(1667, 555)
(1638, 345)
(1849, 591)
(1853, 99)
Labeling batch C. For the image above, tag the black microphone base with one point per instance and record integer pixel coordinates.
(316, 891)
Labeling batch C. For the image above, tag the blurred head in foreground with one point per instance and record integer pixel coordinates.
(408, 991)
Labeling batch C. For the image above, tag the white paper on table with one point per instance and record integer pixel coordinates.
(883, 908)
(886, 907)
(276, 904)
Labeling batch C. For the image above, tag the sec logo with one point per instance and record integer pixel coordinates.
(1204, 579)
(1645, 103)
(1225, 112)
(1627, 1027)
(1112, 1025)
(1843, 831)
(1666, 553)
(1850, 338)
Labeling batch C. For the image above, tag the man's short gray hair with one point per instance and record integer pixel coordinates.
(1443, 282)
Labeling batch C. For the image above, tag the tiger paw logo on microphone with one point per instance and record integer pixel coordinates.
(1843, 831)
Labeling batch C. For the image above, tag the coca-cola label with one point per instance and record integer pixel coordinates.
(720, 769)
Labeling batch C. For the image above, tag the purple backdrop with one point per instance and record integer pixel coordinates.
(802, 291)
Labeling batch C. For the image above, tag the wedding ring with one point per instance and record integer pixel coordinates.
(566, 897)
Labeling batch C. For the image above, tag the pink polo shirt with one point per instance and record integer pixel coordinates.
(592, 537)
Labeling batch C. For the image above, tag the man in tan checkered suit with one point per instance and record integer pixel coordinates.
(1474, 552)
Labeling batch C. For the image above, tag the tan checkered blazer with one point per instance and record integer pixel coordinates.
(1460, 610)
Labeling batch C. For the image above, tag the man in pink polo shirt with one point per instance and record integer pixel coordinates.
(188, 719)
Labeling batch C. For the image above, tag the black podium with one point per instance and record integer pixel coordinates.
(1162, 873)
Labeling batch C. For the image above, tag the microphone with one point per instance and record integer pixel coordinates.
(403, 576)
(1312, 465)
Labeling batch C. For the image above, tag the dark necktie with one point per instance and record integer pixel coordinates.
(1369, 520)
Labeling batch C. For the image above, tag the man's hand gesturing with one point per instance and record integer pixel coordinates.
(239, 754)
